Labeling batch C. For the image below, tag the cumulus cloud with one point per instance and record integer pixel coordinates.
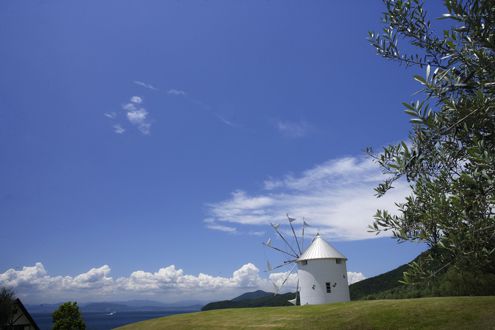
(137, 115)
(145, 85)
(336, 197)
(111, 115)
(176, 92)
(353, 277)
(294, 129)
(34, 285)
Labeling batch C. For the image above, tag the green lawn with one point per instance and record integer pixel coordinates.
(421, 313)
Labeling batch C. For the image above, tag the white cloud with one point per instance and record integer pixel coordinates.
(176, 92)
(117, 128)
(294, 129)
(33, 284)
(110, 115)
(211, 224)
(336, 197)
(353, 277)
(136, 100)
(257, 233)
(145, 85)
(137, 115)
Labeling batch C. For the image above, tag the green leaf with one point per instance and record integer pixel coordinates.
(420, 79)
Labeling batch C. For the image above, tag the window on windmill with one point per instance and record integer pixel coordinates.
(338, 261)
(329, 288)
(304, 262)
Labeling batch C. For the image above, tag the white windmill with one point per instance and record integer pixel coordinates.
(322, 272)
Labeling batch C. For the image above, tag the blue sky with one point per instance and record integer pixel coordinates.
(138, 135)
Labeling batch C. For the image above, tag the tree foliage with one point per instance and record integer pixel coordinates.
(68, 317)
(449, 160)
(6, 306)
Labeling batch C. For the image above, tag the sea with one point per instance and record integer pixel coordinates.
(105, 321)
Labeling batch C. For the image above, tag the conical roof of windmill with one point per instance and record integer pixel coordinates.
(320, 249)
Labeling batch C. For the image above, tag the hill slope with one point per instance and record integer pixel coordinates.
(377, 284)
(252, 299)
(253, 295)
(429, 313)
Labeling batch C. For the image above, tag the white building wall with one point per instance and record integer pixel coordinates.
(313, 277)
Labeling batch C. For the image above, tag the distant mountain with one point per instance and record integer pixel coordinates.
(104, 307)
(253, 295)
(252, 299)
(141, 303)
(42, 308)
(122, 306)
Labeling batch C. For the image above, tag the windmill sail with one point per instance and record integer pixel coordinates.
(291, 220)
(293, 250)
(285, 241)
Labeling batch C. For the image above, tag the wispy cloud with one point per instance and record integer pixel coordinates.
(201, 104)
(145, 85)
(257, 233)
(211, 224)
(176, 92)
(337, 197)
(117, 128)
(225, 121)
(137, 114)
(33, 284)
(293, 129)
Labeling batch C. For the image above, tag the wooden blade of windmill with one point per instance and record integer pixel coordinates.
(279, 250)
(305, 224)
(285, 240)
(291, 220)
(288, 275)
(286, 263)
(268, 266)
(275, 286)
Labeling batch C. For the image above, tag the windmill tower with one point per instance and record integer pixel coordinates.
(322, 274)
(321, 269)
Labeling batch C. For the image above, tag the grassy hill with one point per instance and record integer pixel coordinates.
(422, 313)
